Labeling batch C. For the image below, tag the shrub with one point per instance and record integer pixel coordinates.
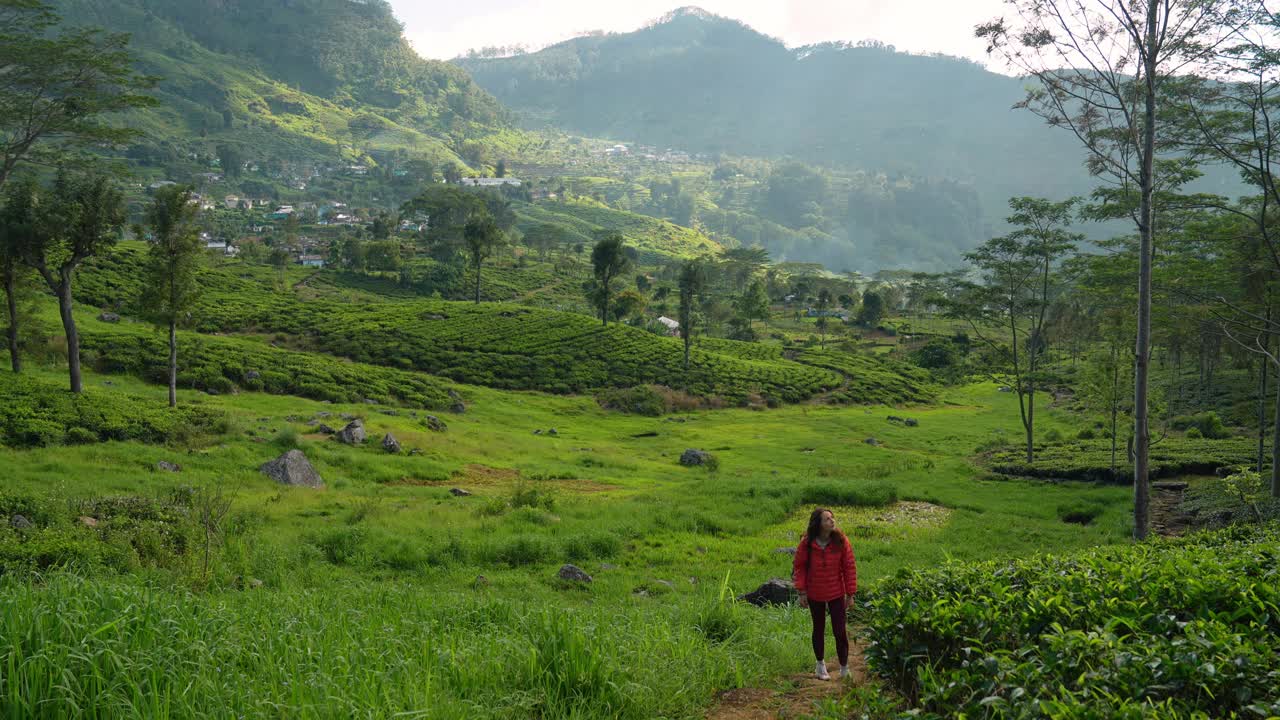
(1193, 433)
(1086, 434)
(638, 400)
(1053, 435)
(1207, 423)
(1091, 460)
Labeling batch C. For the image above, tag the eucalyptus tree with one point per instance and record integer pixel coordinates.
(1102, 67)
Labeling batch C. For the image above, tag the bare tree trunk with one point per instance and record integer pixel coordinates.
(1262, 410)
(173, 363)
(11, 297)
(1115, 407)
(1275, 448)
(477, 281)
(73, 335)
(1142, 350)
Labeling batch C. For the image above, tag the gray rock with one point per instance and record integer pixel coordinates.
(390, 444)
(352, 434)
(434, 424)
(325, 429)
(774, 592)
(872, 442)
(895, 419)
(573, 573)
(346, 416)
(167, 466)
(370, 401)
(911, 422)
(785, 551)
(109, 317)
(537, 432)
(19, 522)
(1004, 388)
(252, 375)
(323, 414)
(292, 468)
(459, 492)
(552, 431)
(456, 405)
(692, 457)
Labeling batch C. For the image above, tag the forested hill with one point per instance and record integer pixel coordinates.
(304, 79)
(699, 82)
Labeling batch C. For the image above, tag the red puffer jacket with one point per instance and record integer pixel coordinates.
(825, 574)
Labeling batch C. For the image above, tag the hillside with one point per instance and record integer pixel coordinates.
(294, 85)
(925, 150)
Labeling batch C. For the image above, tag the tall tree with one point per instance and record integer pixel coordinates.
(80, 216)
(692, 281)
(609, 261)
(481, 237)
(59, 86)
(824, 304)
(1101, 67)
(1017, 290)
(17, 223)
(173, 260)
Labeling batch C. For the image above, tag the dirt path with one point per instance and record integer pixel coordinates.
(796, 695)
(1167, 516)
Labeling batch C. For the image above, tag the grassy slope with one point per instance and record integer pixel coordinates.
(654, 238)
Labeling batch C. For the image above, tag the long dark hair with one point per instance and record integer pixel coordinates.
(815, 525)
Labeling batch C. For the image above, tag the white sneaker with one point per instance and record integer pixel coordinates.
(844, 672)
(822, 671)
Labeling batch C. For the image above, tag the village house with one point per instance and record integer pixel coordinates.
(311, 260)
(490, 182)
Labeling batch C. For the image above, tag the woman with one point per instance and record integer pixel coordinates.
(826, 579)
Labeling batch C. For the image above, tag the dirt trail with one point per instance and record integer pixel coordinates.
(1167, 516)
(796, 696)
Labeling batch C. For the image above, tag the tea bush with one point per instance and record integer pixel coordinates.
(36, 414)
(1164, 629)
(1091, 459)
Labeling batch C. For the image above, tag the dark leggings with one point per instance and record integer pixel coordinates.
(819, 612)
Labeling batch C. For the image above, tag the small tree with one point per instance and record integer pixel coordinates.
(172, 264)
(609, 261)
(17, 222)
(872, 309)
(80, 217)
(692, 281)
(1017, 291)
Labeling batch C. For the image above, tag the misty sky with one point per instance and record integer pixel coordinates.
(443, 30)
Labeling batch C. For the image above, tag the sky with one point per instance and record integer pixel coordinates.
(444, 29)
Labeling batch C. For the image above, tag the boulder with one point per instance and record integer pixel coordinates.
(390, 444)
(19, 522)
(537, 432)
(911, 422)
(109, 317)
(573, 573)
(252, 375)
(692, 457)
(325, 429)
(292, 468)
(167, 466)
(774, 592)
(459, 492)
(352, 434)
(872, 442)
(456, 405)
(434, 424)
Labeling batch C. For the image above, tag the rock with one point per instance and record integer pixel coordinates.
(872, 442)
(19, 522)
(434, 424)
(346, 416)
(894, 419)
(370, 401)
(1004, 388)
(390, 444)
(392, 413)
(108, 383)
(552, 431)
(252, 375)
(456, 406)
(785, 551)
(691, 457)
(911, 422)
(88, 521)
(414, 451)
(325, 429)
(167, 466)
(459, 492)
(109, 317)
(323, 414)
(537, 432)
(352, 434)
(573, 573)
(292, 468)
(773, 592)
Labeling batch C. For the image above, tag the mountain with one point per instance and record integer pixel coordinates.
(703, 83)
(296, 81)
